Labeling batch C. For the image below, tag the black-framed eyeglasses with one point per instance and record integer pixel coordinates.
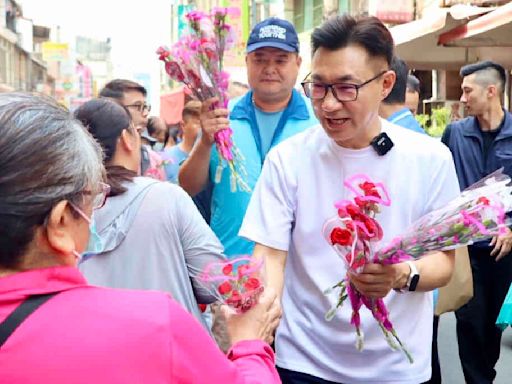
(140, 107)
(341, 91)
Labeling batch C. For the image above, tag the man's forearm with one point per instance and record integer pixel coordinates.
(275, 261)
(193, 174)
(275, 275)
(435, 270)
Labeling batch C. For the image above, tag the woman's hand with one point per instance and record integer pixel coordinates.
(259, 322)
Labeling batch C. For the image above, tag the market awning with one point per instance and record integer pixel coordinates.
(417, 42)
(491, 30)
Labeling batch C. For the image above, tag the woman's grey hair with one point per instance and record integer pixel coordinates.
(45, 156)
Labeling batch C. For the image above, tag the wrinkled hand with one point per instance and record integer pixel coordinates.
(376, 280)
(502, 245)
(219, 328)
(260, 322)
(212, 121)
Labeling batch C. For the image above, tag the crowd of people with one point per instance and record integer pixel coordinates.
(105, 228)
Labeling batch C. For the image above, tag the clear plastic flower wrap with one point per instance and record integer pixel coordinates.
(237, 283)
(196, 60)
(477, 214)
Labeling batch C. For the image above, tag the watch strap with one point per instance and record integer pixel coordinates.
(414, 276)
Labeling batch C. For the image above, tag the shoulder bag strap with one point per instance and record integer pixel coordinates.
(19, 315)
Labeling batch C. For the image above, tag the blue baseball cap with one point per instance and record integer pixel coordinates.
(275, 33)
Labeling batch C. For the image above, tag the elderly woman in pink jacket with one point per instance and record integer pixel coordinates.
(54, 327)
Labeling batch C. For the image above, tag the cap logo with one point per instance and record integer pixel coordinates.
(272, 31)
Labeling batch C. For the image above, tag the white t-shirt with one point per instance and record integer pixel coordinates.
(301, 179)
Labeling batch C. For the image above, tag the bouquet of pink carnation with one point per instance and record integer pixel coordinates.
(237, 283)
(196, 60)
(477, 214)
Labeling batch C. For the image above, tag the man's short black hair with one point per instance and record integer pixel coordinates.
(341, 31)
(486, 65)
(397, 94)
(413, 84)
(116, 88)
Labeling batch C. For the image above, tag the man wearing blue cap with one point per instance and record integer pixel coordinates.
(269, 113)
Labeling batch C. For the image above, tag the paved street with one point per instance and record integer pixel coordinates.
(448, 354)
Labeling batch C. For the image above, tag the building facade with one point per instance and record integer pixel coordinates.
(21, 66)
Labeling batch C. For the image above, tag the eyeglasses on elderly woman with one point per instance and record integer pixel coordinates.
(99, 197)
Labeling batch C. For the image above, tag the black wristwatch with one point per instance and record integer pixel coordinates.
(412, 280)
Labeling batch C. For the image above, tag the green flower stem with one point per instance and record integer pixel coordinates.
(409, 356)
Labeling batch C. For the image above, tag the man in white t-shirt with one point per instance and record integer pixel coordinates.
(301, 180)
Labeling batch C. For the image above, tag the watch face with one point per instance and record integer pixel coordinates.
(414, 282)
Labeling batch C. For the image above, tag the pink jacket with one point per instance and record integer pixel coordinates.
(87, 334)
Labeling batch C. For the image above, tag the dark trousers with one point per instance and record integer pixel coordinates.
(293, 377)
(478, 337)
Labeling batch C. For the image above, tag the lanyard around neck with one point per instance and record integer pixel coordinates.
(253, 122)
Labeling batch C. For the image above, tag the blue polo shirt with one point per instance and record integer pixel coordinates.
(267, 124)
(175, 157)
(405, 118)
(228, 207)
